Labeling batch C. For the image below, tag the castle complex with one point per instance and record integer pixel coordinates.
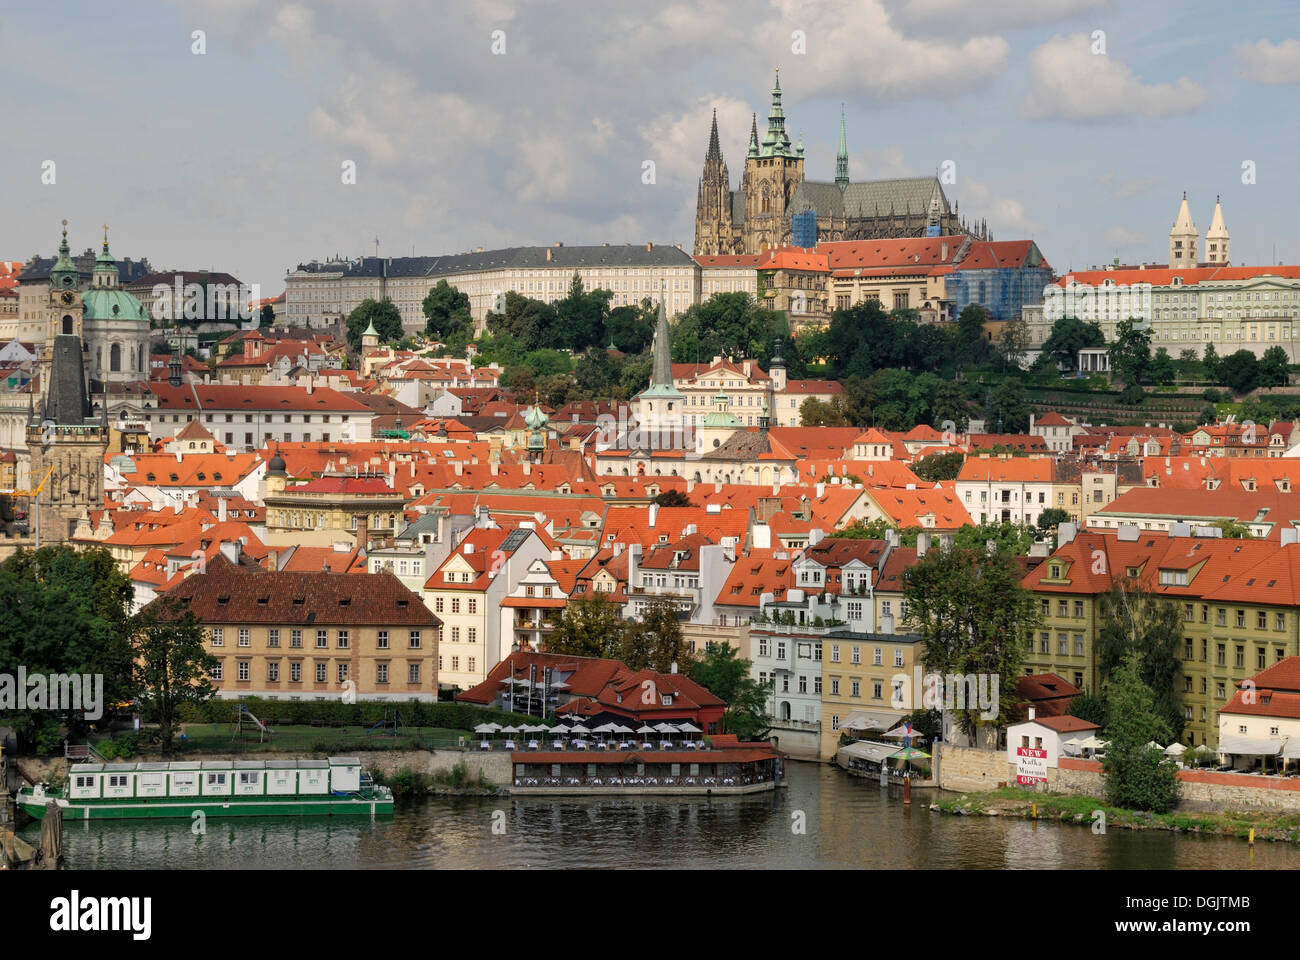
(774, 198)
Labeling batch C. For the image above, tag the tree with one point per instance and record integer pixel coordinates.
(673, 498)
(939, 466)
(1134, 621)
(727, 677)
(1274, 368)
(580, 317)
(1163, 370)
(1211, 363)
(631, 328)
(1138, 776)
(655, 641)
(1070, 335)
(268, 316)
(1239, 371)
(1013, 343)
(1009, 407)
(974, 617)
(171, 664)
(382, 313)
(1130, 353)
(1051, 518)
(1232, 530)
(446, 313)
(1089, 707)
(820, 413)
(972, 345)
(530, 323)
(590, 626)
(1010, 538)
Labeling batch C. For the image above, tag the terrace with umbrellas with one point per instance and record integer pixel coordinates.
(898, 754)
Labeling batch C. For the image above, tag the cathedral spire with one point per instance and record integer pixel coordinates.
(842, 155)
(777, 141)
(662, 375)
(715, 151)
(753, 135)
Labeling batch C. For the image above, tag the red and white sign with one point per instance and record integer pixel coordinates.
(1031, 765)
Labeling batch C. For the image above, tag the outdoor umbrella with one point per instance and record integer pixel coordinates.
(511, 729)
(1175, 750)
(859, 722)
(645, 728)
(689, 727)
(1154, 745)
(909, 753)
(578, 728)
(487, 728)
(905, 730)
(1074, 742)
(666, 728)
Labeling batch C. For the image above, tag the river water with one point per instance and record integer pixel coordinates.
(846, 822)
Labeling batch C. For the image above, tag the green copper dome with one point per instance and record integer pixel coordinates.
(111, 303)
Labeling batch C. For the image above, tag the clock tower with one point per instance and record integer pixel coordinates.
(65, 303)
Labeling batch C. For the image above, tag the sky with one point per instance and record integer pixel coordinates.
(1077, 123)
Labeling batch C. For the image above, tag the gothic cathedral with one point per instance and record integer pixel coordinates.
(774, 195)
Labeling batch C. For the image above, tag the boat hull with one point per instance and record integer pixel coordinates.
(184, 809)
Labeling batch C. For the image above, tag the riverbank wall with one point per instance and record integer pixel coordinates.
(968, 770)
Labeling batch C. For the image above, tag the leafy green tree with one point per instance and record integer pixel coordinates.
(1070, 335)
(655, 640)
(1162, 370)
(383, 314)
(1239, 371)
(821, 413)
(1089, 707)
(1138, 777)
(580, 317)
(673, 498)
(939, 466)
(1211, 363)
(1130, 353)
(590, 626)
(972, 345)
(529, 322)
(1012, 343)
(1208, 415)
(1014, 539)
(1009, 407)
(172, 665)
(724, 674)
(1051, 518)
(974, 617)
(267, 318)
(1274, 368)
(631, 328)
(727, 324)
(1232, 530)
(1134, 621)
(446, 312)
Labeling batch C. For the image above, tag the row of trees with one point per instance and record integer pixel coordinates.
(64, 612)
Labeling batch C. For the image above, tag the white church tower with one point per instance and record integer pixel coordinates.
(1216, 238)
(1184, 240)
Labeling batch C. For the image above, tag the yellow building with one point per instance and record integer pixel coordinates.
(313, 635)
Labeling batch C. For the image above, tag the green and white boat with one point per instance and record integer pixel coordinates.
(217, 788)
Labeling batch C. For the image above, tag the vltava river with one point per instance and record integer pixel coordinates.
(847, 823)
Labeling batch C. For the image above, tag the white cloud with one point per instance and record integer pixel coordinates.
(1271, 63)
(1069, 82)
(962, 16)
(1120, 236)
(857, 46)
(1006, 215)
(1125, 189)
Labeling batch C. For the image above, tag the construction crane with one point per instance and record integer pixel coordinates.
(15, 492)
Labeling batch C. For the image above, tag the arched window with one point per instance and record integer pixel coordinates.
(67, 324)
(115, 357)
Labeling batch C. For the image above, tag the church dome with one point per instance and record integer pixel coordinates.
(536, 418)
(111, 303)
(276, 467)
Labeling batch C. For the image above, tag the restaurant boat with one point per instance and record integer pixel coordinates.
(218, 788)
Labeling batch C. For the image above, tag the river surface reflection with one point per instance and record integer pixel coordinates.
(847, 823)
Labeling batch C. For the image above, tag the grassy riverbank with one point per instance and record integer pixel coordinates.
(1014, 802)
(455, 781)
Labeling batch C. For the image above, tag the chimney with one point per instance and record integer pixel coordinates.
(548, 254)
(1031, 711)
(221, 510)
(649, 247)
(363, 531)
(654, 513)
(230, 550)
(922, 545)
